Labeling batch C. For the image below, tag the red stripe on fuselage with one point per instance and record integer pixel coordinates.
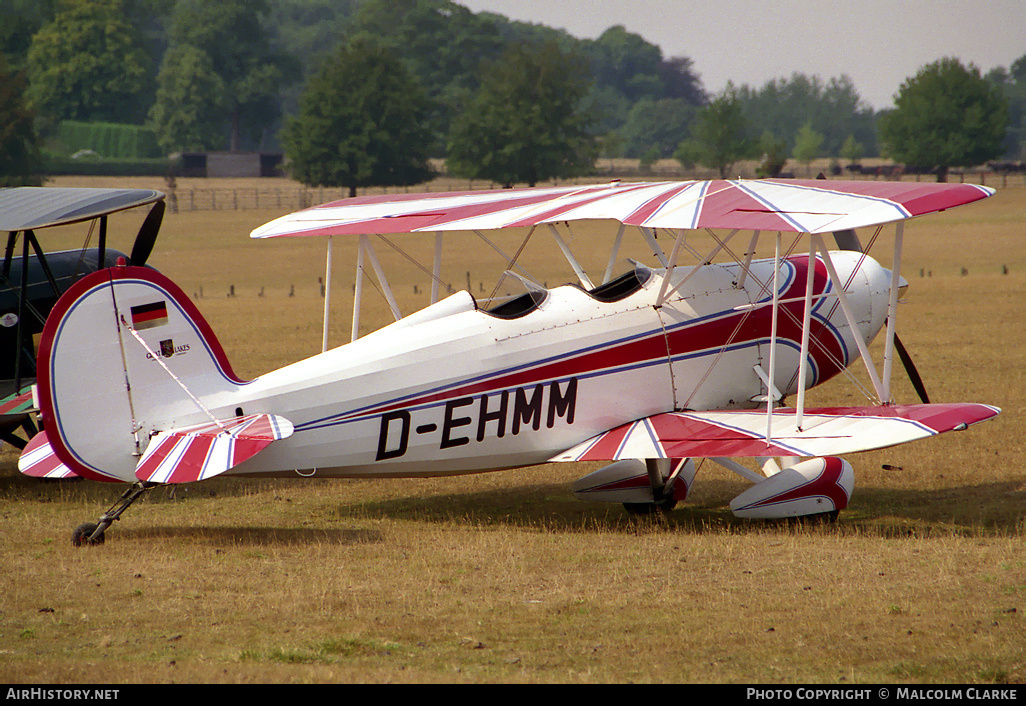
(826, 350)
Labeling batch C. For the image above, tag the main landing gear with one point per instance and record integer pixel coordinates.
(92, 534)
(663, 476)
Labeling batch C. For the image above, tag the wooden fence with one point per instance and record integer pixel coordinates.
(287, 199)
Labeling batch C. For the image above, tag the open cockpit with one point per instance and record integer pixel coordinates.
(623, 286)
(615, 290)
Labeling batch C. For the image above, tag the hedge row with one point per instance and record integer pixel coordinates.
(108, 140)
(57, 165)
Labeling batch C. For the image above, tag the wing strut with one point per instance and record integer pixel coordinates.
(327, 297)
(578, 270)
(677, 244)
(358, 289)
(436, 268)
(365, 248)
(803, 360)
(613, 254)
(386, 290)
(817, 241)
(770, 386)
(892, 312)
(650, 239)
(748, 260)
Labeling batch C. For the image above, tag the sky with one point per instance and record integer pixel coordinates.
(877, 43)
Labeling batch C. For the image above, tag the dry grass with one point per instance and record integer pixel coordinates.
(505, 577)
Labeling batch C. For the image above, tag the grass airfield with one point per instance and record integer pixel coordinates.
(505, 577)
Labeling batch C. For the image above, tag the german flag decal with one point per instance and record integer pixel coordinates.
(149, 315)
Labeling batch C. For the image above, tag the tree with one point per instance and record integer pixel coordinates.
(773, 157)
(1012, 84)
(833, 108)
(656, 125)
(442, 43)
(807, 144)
(229, 32)
(625, 60)
(852, 150)
(625, 67)
(88, 64)
(361, 122)
(525, 124)
(19, 151)
(19, 21)
(719, 135)
(189, 110)
(945, 116)
(681, 81)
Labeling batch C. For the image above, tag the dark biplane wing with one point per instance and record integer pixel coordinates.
(15, 412)
(35, 207)
(31, 280)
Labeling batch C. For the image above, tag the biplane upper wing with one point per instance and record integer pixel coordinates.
(35, 207)
(823, 432)
(791, 205)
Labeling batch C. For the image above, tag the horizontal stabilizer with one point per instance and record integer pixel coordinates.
(39, 461)
(206, 450)
(824, 432)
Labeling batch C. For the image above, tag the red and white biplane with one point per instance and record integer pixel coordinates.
(648, 370)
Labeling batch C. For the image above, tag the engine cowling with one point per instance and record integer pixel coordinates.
(813, 487)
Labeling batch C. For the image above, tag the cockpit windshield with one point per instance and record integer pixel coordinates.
(632, 277)
(514, 297)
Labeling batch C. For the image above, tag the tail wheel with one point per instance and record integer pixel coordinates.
(83, 535)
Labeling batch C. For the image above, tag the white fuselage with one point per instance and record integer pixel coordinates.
(453, 389)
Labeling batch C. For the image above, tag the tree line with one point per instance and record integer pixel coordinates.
(366, 92)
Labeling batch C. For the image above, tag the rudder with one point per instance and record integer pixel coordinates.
(124, 355)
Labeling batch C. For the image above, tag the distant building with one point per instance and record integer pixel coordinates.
(228, 164)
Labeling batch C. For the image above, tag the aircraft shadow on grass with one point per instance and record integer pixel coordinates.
(983, 508)
(258, 536)
(552, 507)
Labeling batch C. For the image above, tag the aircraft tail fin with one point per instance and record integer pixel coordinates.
(129, 370)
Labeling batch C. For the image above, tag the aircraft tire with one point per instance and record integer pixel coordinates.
(641, 509)
(818, 520)
(81, 535)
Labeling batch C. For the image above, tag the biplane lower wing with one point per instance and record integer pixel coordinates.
(823, 432)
